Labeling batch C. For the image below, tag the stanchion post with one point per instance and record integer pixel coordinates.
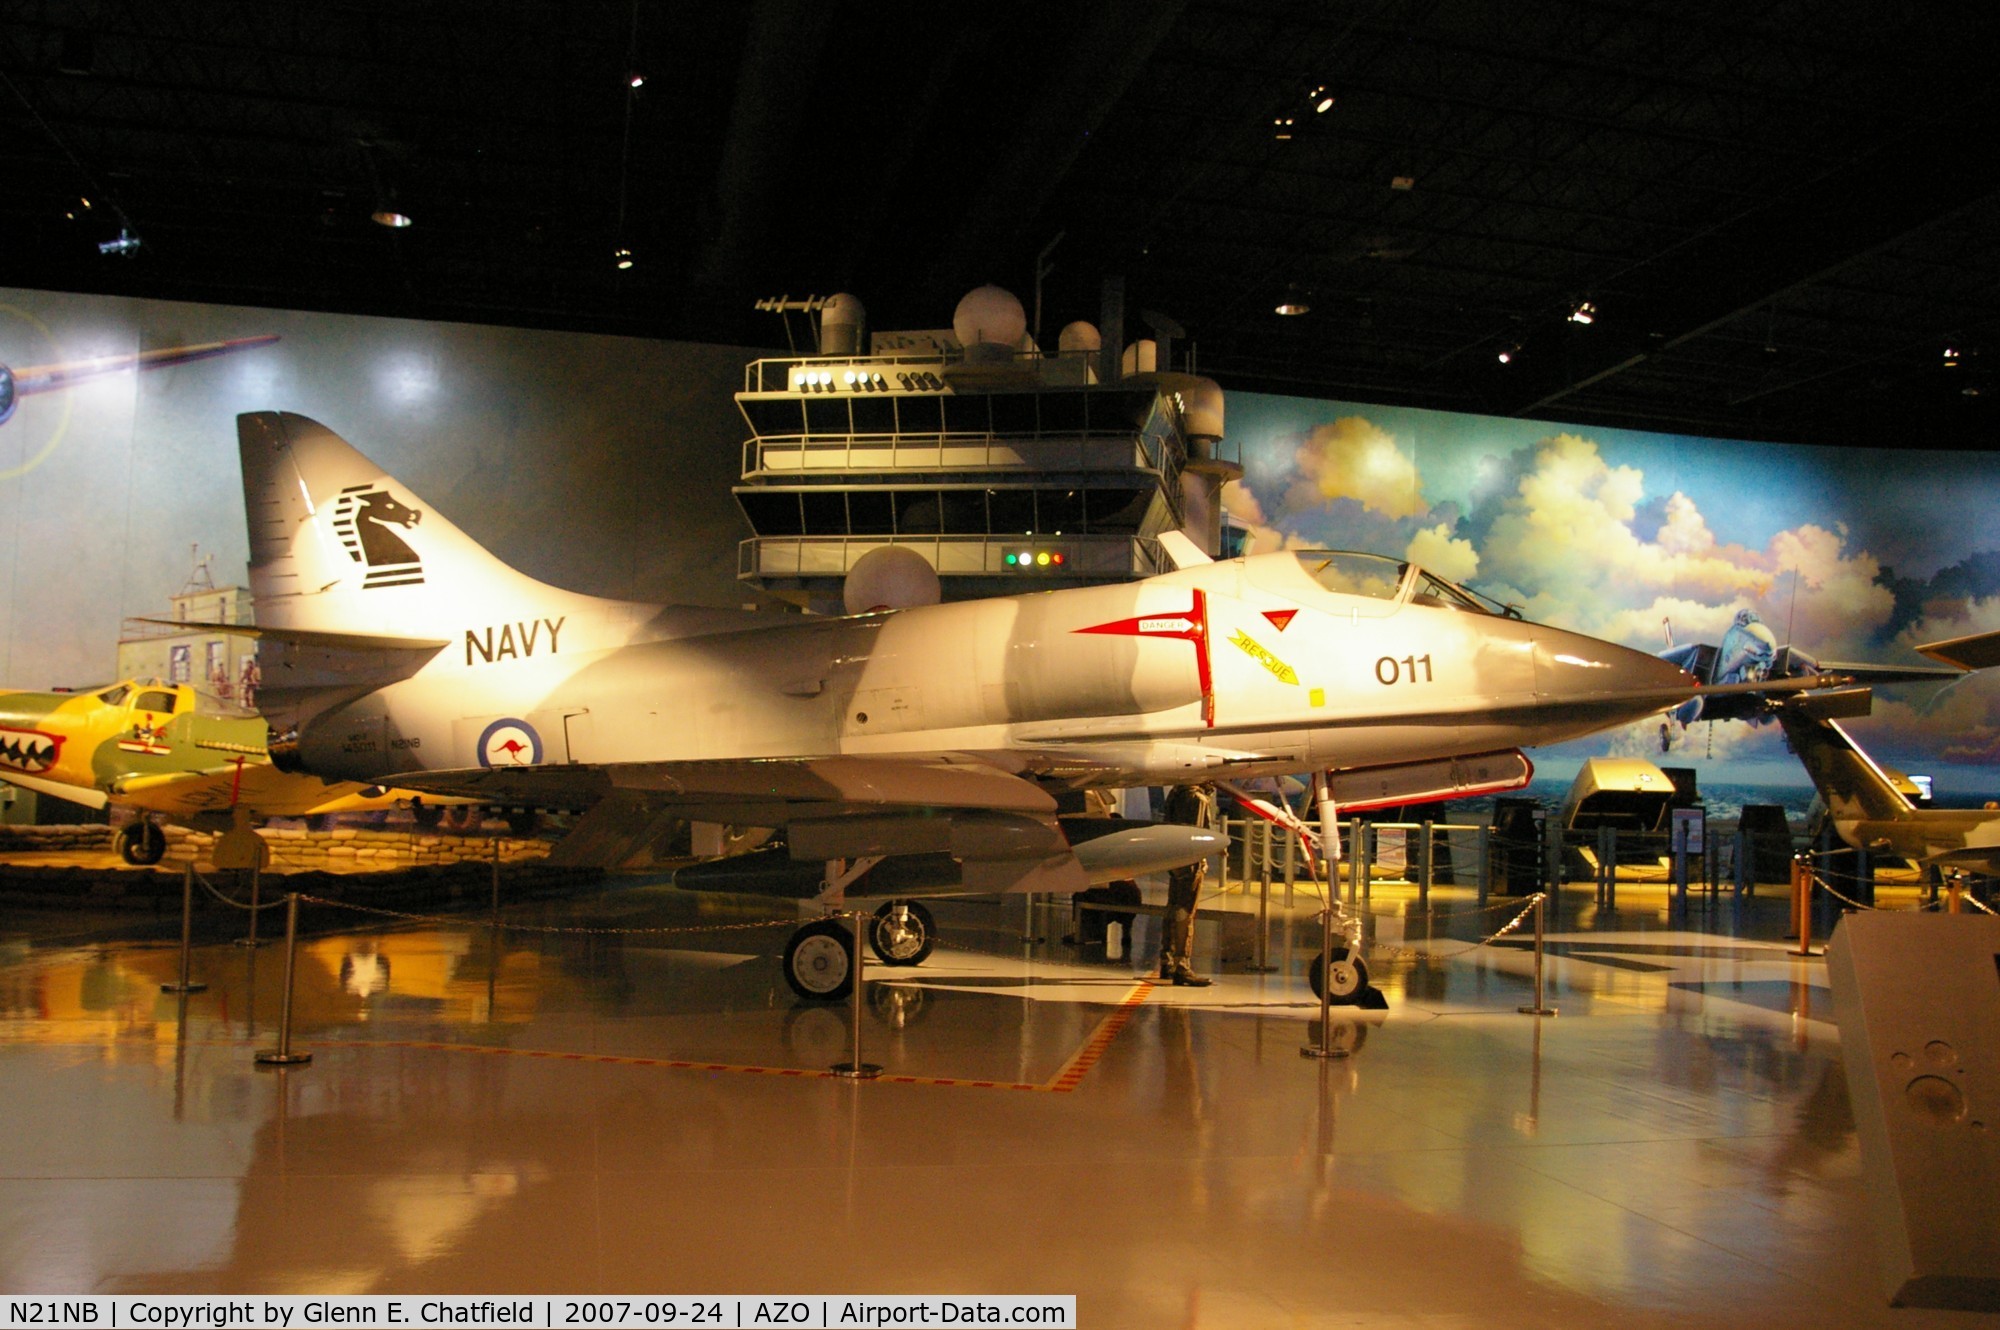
(1484, 885)
(256, 892)
(496, 885)
(1541, 1008)
(1802, 884)
(283, 1055)
(1426, 863)
(854, 1069)
(186, 985)
(1261, 964)
(1954, 893)
(1291, 863)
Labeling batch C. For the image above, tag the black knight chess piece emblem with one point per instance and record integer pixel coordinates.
(363, 517)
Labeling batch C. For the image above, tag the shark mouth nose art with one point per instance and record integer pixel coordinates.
(28, 751)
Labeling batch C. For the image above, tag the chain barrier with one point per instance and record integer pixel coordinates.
(1411, 953)
(1819, 880)
(408, 916)
(231, 901)
(1976, 903)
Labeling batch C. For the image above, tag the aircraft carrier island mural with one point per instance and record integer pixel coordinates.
(604, 465)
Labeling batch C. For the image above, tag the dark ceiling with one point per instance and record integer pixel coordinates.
(1786, 212)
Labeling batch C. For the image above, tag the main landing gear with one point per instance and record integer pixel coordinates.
(819, 959)
(142, 843)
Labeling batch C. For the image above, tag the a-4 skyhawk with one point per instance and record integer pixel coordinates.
(889, 750)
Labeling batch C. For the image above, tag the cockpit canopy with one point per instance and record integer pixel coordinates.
(1378, 577)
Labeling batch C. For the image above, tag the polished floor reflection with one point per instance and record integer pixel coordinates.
(603, 1109)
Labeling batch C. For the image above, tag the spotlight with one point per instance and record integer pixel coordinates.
(1584, 313)
(635, 80)
(390, 218)
(622, 257)
(1507, 354)
(1321, 99)
(1282, 128)
(126, 244)
(1294, 307)
(1951, 357)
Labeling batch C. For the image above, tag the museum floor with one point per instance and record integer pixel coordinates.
(605, 1111)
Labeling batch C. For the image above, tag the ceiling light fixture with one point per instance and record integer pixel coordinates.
(1321, 99)
(635, 80)
(389, 217)
(1584, 313)
(622, 257)
(1951, 357)
(1282, 127)
(1294, 307)
(1507, 353)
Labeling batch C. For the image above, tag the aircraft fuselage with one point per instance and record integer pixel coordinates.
(1249, 666)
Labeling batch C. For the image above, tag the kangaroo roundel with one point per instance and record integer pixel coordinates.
(510, 743)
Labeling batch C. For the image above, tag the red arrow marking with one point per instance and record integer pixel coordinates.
(1189, 625)
(1280, 618)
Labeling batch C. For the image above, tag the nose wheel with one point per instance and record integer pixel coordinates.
(142, 843)
(819, 961)
(1349, 975)
(902, 933)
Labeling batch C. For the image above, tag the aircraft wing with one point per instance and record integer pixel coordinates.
(959, 822)
(1978, 652)
(263, 789)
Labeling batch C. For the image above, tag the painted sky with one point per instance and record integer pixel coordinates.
(602, 464)
(1852, 554)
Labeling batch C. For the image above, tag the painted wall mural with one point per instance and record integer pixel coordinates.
(604, 464)
(1851, 554)
(598, 463)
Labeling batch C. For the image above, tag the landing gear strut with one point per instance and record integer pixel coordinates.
(142, 843)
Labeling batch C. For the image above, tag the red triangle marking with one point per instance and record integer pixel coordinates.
(1280, 618)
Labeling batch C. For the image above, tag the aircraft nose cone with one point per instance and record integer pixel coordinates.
(1571, 665)
(1588, 685)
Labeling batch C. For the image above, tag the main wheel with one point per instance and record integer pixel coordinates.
(1350, 978)
(902, 933)
(425, 815)
(523, 821)
(819, 961)
(142, 843)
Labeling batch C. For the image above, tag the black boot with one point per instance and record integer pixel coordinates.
(1185, 977)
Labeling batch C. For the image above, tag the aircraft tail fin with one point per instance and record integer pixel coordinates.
(1850, 782)
(337, 545)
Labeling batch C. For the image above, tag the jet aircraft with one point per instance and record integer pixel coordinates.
(1866, 802)
(1866, 807)
(1749, 653)
(886, 748)
(155, 747)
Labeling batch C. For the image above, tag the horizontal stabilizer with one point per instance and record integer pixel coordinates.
(310, 637)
